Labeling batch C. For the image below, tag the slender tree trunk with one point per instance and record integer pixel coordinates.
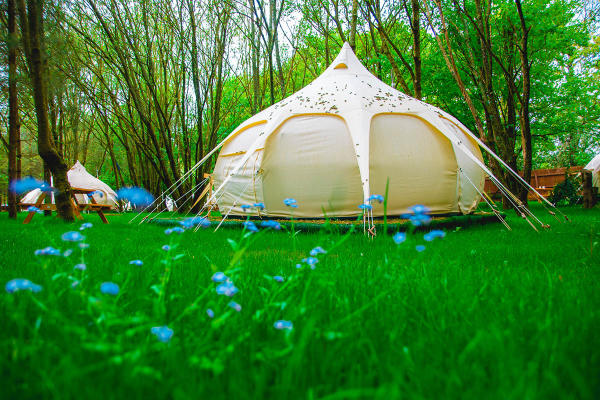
(353, 22)
(524, 118)
(416, 50)
(32, 32)
(13, 112)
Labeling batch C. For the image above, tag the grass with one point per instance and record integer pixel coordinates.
(482, 313)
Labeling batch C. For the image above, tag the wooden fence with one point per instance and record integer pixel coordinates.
(543, 180)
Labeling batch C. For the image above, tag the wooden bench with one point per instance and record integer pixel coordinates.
(77, 208)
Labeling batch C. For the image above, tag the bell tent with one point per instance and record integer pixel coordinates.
(79, 177)
(339, 140)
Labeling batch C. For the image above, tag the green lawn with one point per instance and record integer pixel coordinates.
(481, 313)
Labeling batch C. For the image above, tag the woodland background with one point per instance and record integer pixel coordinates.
(139, 91)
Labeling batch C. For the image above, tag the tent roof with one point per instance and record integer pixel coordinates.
(346, 87)
(79, 177)
(593, 165)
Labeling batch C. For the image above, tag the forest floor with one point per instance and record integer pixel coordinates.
(481, 313)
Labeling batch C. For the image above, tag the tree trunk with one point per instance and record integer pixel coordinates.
(416, 50)
(524, 118)
(13, 112)
(33, 36)
(353, 22)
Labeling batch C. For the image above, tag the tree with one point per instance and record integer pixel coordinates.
(32, 34)
(14, 142)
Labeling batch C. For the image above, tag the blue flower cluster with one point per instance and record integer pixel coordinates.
(109, 288)
(162, 333)
(18, 284)
(282, 324)
(434, 234)
(192, 222)
(28, 184)
(138, 197)
(270, 224)
(177, 229)
(72, 236)
(290, 202)
(48, 251)
(419, 216)
(250, 226)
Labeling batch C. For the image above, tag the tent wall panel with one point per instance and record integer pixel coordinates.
(244, 187)
(311, 158)
(419, 162)
(468, 196)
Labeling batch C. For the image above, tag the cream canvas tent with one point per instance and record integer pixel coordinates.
(594, 166)
(79, 177)
(337, 141)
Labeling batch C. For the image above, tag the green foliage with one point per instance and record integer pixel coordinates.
(565, 193)
(464, 319)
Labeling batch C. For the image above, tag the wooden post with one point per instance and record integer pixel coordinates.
(590, 192)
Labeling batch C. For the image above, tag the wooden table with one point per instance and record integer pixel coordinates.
(77, 208)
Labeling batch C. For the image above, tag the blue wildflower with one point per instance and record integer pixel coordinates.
(72, 236)
(34, 209)
(68, 252)
(317, 250)
(136, 262)
(166, 247)
(420, 248)
(399, 237)
(278, 278)
(375, 197)
(235, 306)
(109, 288)
(227, 288)
(249, 225)
(311, 261)
(177, 229)
(218, 277)
(271, 224)
(97, 193)
(419, 209)
(434, 234)
(210, 313)
(195, 221)
(83, 245)
(420, 219)
(20, 186)
(290, 202)
(75, 284)
(282, 324)
(365, 207)
(162, 333)
(137, 196)
(298, 266)
(81, 267)
(48, 251)
(260, 206)
(85, 225)
(15, 285)
(245, 207)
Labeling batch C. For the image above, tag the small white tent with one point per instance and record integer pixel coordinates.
(338, 140)
(79, 177)
(594, 166)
